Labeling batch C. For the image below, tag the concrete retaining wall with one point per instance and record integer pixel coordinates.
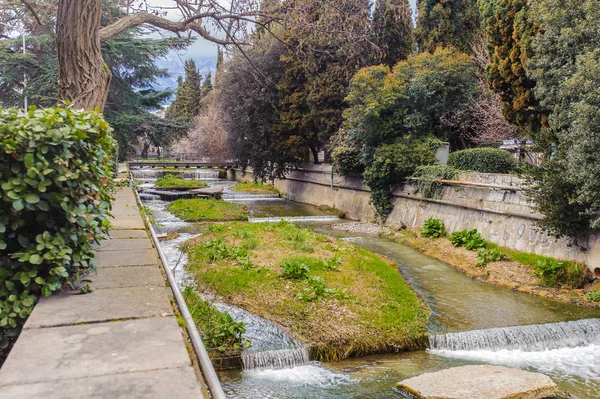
(491, 203)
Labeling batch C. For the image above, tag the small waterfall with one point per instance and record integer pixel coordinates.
(233, 196)
(276, 359)
(145, 174)
(201, 174)
(149, 197)
(537, 337)
(294, 219)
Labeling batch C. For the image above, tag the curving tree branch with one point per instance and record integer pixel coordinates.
(192, 23)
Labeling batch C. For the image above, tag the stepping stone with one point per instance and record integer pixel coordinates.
(69, 308)
(215, 192)
(480, 382)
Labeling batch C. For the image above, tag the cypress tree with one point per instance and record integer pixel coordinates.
(392, 29)
(509, 33)
(188, 99)
(207, 86)
(447, 23)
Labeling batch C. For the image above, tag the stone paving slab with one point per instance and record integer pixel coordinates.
(99, 306)
(63, 353)
(122, 277)
(125, 244)
(128, 234)
(137, 257)
(120, 341)
(128, 223)
(143, 385)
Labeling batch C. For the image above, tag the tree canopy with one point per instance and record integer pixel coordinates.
(393, 30)
(447, 23)
(566, 68)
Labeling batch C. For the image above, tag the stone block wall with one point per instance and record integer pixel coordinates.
(491, 203)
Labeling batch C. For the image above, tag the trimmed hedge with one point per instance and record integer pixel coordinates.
(55, 174)
(484, 160)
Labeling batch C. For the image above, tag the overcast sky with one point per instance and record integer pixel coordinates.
(202, 48)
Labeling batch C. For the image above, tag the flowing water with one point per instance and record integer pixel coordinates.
(472, 323)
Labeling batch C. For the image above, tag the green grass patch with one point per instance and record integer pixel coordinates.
(174, 181)
(339, 298)
(207, 210)
(256, 188)
(218, 329)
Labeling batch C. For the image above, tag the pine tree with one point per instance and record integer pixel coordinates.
(392, 30)
(447, 23)
(509, 33)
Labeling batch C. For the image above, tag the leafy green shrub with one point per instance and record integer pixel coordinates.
(593, 296)
(217, 249)
(433, 228)
(426, 178)
(470, 239)
(317, 290)
(484, 160)
(555, 273)
(332, 264)
(218, 329)
(295, 269)
(487, 256)
(393, 164)
(56, 179)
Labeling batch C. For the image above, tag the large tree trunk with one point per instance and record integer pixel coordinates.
(83, 76)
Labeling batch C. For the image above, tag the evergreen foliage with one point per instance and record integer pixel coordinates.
(447, 23)
(392, 164)
(483, 160)
(509, 31)
(188, 100)
(566, 68)
(132, 61)
(327, 45)
(396, 118)
(393, 30)
(56, 177)
(426, 178)
(39, 61)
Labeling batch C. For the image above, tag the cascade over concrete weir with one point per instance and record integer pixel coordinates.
(120, 341)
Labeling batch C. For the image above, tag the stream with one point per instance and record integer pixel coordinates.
(472, 322)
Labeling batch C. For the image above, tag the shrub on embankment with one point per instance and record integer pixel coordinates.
(483, 160)
(56, 187)
(342, 300)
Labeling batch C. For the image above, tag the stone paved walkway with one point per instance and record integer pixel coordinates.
(120, 341)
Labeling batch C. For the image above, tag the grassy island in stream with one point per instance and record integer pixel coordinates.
(174, 181)
(342, 300)
(207, 210)
(255, 188)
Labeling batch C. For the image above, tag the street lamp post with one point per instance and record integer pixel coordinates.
(24, 72)
(24, 77)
